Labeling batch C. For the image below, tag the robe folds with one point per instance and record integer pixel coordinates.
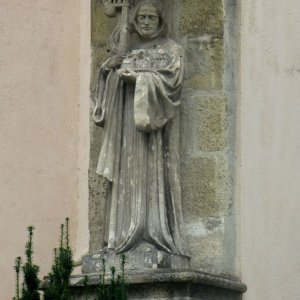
(139, 153)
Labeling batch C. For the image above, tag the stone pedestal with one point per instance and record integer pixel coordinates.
(143, 257)
(169, 285)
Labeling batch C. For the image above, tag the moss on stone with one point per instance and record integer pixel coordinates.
(101, 24)
(99, 55)
(204, 63)
(202, 16)
(205, 188)
(199, 188)
(209, 251)
(203, 125)
(212, 128)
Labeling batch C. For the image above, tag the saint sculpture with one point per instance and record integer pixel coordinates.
(136, 103)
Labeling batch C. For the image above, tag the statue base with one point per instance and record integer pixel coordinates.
(167, 285)
(143, 257)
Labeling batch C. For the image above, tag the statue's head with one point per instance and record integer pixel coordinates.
(147, 19)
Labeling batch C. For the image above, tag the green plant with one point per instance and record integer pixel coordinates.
(30, 272)
(116, 289)
(59, 278)
(101, 292)
(123, 286)
(58, 282)
(86, 286)
(17, 267)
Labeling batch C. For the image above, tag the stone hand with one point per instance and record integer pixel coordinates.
(128, 75)
(115, 61)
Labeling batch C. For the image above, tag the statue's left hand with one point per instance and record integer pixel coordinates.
(128, 75)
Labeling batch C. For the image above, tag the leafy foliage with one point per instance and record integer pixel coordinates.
(30, 272)
(17, 268)
(117, 288)
(86, 286)
(58, 285)
(59, 277)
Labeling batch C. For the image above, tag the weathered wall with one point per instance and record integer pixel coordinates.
(39, 96)
(82, 230)
(207, 118)
(205, 144)
(100, 29)
(269, 148)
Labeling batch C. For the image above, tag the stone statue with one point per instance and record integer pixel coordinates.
(136, 103)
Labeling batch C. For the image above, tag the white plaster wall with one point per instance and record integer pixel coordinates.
(269, 149)
(39, 100)
(82, 230)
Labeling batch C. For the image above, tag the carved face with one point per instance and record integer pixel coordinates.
(147, 20)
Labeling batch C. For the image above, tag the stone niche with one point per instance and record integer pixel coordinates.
(207, 31)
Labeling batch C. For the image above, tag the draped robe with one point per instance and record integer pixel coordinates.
(139, 155)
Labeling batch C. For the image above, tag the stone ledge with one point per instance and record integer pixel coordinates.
(144, 257)
(170, 276)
